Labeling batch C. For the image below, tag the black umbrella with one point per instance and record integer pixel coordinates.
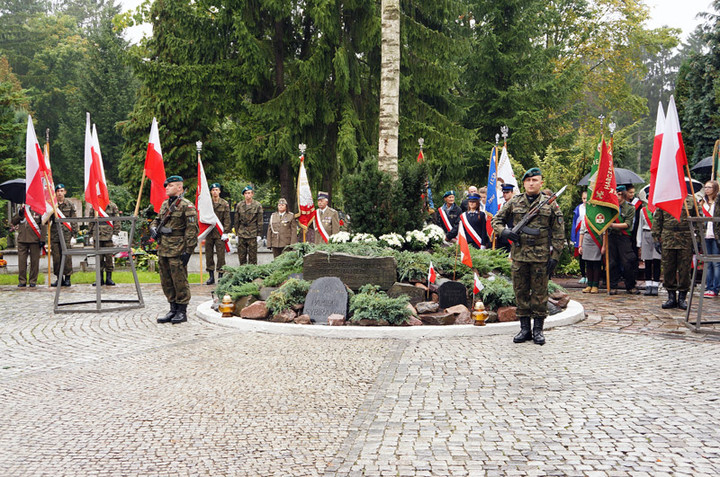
(13, 190)
(703, 167)
(697, 186)
(622, 176)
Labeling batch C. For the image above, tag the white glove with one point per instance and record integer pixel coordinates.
(224, 238)
(92, 241)
(259, 239)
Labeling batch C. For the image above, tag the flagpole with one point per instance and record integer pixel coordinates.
(198, 145)
(606, 240)
(142, 184)
(714, 158)
(52, 195)
(457, 247)
(692, 192)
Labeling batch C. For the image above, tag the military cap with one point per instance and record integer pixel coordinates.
(59, 186)
(449, 192)
(173, 179)
(323, 195)
(473, 197)
(214, 185)
(508, 187)
(247, 188)
(621, 188)
(282, 201)
(532, 172)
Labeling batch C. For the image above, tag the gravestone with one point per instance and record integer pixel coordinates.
(354, 271)
(327, 295)
(451, 294)
(415, 294)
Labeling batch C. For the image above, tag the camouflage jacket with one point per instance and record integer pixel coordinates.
(68, 210)
(248, 219)
(106, 230)
(673, 234)
(222, 210)
(26, 234)
(627, 216)
(549, 221)
(183, 229)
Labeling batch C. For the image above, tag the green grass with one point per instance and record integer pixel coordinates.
(118, 277)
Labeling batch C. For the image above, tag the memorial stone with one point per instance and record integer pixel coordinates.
(354, 271)
(415, 294)
(327, 295)
(451, 294)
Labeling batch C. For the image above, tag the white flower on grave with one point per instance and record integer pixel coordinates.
(417, 236)
(364, 238)
(340, 237)
(434, 233)
(394, 240)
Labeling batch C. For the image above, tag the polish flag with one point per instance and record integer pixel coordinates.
(477, 284)
(657, 142)
(207, 219)
(306, 206)
(96, 192)
(669, 189)
(432, 275)
(464, 248)
(155, 168)
(35, 170)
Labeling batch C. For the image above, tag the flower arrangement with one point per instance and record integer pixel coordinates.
(434, 233)
(393, 240)
(340, 237)
(364, 238)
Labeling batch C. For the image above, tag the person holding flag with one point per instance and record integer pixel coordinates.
(535, 251)
(65, 208)
(327, 219)
(30, 243)
(578, 220)
(623, 258)
(216, 239)
(448, 215)
(473, 221)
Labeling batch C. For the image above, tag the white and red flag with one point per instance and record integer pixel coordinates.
(35, 171)
(96, 192)
(155, 168)
(306, 205)
(207, 219)
(477, 284)
(464, 247)
(669, 189)
(657, 142)
(432, 274)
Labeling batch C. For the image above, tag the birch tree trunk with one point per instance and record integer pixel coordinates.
(389, 88)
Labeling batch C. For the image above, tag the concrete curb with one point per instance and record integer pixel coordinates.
(572, 314)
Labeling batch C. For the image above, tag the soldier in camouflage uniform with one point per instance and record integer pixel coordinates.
(68, 210)
(30, 241)
(675, 240)
(248, 226)
(535, 253)
(620, 243)
(176, 230)
(215, 241)
(106, 230)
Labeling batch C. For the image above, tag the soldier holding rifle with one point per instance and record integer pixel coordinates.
(537, 239)
(176, 230)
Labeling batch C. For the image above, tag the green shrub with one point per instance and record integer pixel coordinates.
(239, 291)
(234, 277)
(553, 287)
(572, 267)
(496, 293)
(372, 304)
(293, 292)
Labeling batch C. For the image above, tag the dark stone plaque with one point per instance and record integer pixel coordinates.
(415, 294)
(327, 295)
(352, 270)
(451, 294)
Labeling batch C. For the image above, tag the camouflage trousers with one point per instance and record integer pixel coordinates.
(530, 282)
(106, 260)
(247, 250)
(218, 247)
(56, 253)
(26, 250)
(174, 280)
(677, 267)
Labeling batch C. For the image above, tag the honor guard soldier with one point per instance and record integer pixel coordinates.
(215, 241)
(328, 217)
(674, 242)
(448, 215)
(30, 242)
(176, 230)
(248, 226)
(65, 209)
(536, 248)
(106, 231)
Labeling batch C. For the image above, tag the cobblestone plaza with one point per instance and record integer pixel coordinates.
(628, 391)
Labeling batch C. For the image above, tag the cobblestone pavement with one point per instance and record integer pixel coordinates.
(118, 394)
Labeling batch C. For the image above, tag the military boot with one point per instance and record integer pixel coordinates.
(211, 280)
(170, 315)
(108, 279)
(525, 333)
(671, 301)
(538, 337)
(181, 314)
(654, 291)
(102, 279)
(66, 281)
(55, 283)
(681, 303)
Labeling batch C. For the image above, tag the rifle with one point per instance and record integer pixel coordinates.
(161, 229)
(522, 225)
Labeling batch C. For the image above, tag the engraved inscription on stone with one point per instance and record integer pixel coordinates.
(353, 270)
(451, 294)
(327, 295)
